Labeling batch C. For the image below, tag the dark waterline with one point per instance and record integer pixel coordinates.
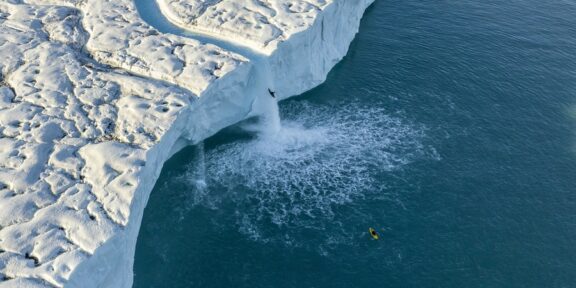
(448, 128)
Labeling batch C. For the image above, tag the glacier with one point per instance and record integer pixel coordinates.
(94, 99)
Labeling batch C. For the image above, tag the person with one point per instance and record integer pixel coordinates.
(272, 93)
(373, 233)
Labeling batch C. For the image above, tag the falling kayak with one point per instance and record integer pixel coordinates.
(373, 233)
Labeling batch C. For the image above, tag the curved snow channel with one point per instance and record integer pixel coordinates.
(260, 79)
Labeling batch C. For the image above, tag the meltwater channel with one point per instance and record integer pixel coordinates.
(449, 127)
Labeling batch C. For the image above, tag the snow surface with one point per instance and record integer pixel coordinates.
(259, 24)
(93, 101)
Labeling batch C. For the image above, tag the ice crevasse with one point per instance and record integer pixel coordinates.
(93, 101)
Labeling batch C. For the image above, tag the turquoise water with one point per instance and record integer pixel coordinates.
(449, 128)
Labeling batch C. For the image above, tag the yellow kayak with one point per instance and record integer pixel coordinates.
(373, 233)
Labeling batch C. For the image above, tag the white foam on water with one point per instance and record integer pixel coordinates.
(320, 159)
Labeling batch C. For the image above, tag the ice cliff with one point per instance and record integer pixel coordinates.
(93, 101)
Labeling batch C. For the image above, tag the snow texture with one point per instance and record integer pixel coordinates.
(93, 101)
(260, 24)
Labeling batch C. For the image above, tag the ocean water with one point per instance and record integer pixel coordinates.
(449, 128)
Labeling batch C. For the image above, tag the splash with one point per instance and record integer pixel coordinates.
(320, 159)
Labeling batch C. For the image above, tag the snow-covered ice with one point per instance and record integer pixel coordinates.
(93, 101)
(261, 25)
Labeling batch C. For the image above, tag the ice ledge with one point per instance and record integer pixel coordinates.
(88, 117)
(261, 25)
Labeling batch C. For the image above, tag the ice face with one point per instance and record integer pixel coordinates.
(93, 100)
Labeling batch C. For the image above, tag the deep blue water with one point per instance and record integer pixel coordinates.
(449, 128)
